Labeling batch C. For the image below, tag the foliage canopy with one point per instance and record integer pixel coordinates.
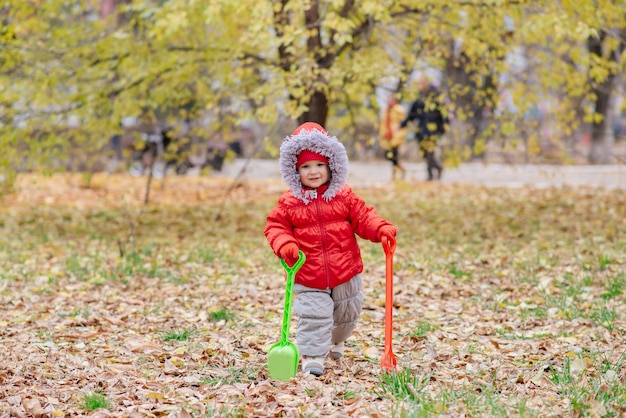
(72, 71)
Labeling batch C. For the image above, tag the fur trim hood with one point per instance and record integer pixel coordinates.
(313, 137)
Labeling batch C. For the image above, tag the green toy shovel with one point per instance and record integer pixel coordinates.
(283, 357)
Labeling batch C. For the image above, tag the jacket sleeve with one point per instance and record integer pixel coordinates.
(278, 229)
(444, 121)
(364, 219)
(412, 115)
(399, 131)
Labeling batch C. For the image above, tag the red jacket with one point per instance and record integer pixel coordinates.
(325, 231)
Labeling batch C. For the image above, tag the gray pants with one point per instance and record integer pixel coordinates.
(327, 316)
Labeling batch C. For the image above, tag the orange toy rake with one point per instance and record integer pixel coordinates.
(388, 360)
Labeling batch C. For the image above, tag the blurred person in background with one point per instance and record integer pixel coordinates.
(391, 135)
(430, 125)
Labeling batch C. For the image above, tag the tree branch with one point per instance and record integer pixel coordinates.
(281, 19)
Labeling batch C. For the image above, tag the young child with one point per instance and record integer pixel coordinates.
(320, 215)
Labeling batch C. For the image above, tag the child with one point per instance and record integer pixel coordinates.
(320, 215)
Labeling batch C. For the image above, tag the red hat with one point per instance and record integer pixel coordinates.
(309, 126)
(308, 155)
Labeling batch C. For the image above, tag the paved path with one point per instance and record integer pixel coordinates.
(490, 175)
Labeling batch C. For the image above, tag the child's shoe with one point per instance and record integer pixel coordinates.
(336, 350)
(313, 365)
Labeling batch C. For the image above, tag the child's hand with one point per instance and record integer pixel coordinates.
(387, 231)
(289, 253)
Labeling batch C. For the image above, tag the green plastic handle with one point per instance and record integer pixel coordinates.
(291, 277)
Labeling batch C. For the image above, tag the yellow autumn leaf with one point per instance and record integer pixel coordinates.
(155, 395)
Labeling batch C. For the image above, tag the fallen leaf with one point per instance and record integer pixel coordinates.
(155, 395)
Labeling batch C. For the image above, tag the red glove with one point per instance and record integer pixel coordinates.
(289, 253)
(388, 231)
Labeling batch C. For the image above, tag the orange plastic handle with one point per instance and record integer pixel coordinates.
(389, 246)
(388, 360)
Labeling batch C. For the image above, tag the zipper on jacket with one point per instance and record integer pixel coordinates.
(322, 233)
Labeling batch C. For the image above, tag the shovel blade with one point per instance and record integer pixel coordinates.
(282, 361)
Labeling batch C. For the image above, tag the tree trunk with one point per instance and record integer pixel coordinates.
(318, 103)
(318, 109)
(602, 136)
(455, 76)
(465, 132)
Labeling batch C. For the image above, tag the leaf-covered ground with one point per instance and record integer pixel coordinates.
(508, 302)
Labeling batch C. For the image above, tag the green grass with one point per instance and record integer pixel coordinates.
(604, 261)
(230, 376)
(458, 273)
(221, 314)
(95, 400)
(614, 286)
(76, 313)
(605, 317)
(510, 267)
(402, 385)
(422, 328)
(176, 335)
(413, 399)
(204, 255)
(590, 384)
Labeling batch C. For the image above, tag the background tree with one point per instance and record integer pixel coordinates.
(606, 48)
(567, 75)
(71, 72)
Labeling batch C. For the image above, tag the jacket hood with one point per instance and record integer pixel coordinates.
(313, 137)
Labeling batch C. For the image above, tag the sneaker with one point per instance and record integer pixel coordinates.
(313, 365)
(336, 350)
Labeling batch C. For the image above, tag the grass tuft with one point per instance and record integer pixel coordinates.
(176, 335)
(95, 400)
(421, 329)
(402, 385)
(221, 315)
